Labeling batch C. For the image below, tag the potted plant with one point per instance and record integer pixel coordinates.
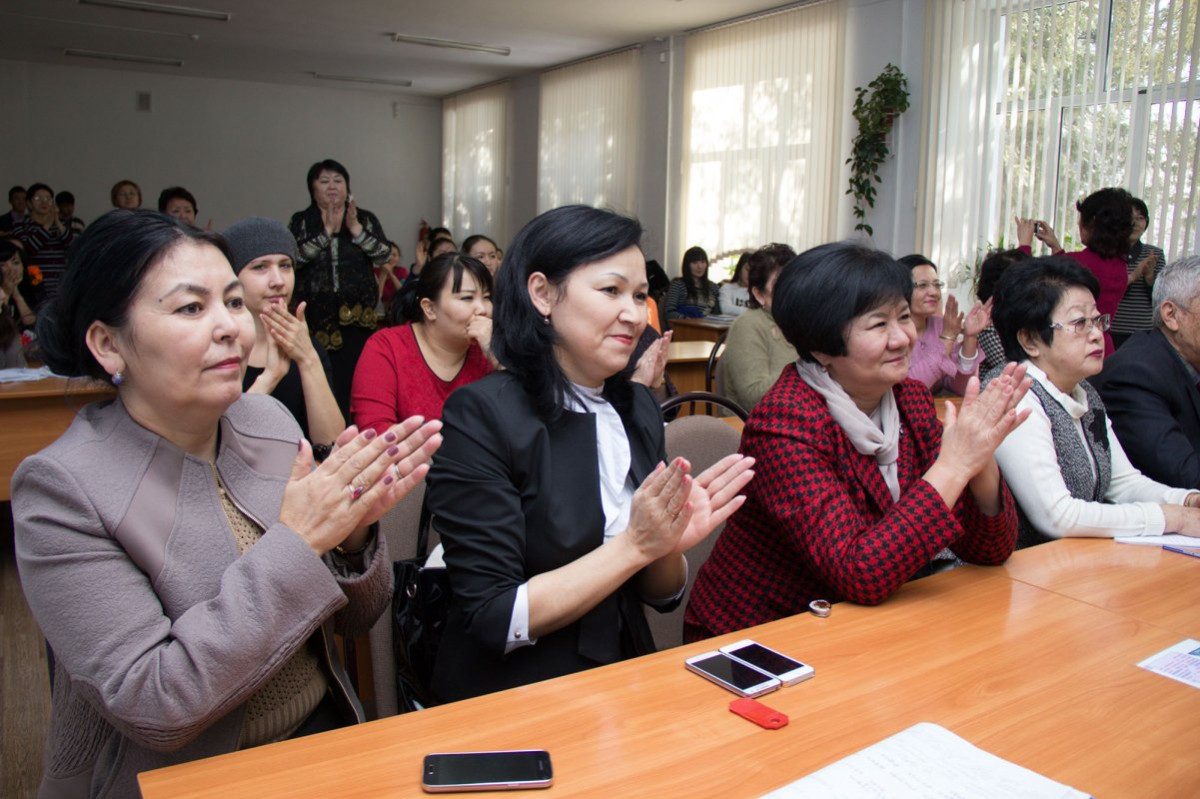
(875, 108)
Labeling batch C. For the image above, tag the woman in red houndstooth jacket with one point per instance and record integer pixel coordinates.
(859, 487)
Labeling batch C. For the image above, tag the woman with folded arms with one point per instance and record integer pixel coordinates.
(558, 516)
(186, 562)
(859, 487)
(286, 362)
(1066, 468)
(692, 293)
(410, 369)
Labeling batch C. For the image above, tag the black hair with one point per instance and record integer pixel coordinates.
(8, 325)
(1139, 205)
(36, 187)
(105, 269)
(1027, 295)
(741, 267)
(112, 194)
(1107, 215)
(175, 193)
(430, 282)
(435, 232)
(314, 172)
(471, 241)
(696, 286)
(915, 260)
(764, 262)
(433, 242)
(555, 244)
(824, 289)
(64, 197)
(992, 268)
(15, 190)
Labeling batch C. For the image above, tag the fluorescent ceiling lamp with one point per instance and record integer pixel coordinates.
(131, 58)
(429, 41)
(160, 8)
(363, 79)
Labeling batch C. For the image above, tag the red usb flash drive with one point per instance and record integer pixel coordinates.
(765, 717)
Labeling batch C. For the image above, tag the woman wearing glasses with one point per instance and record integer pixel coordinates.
(940, 360)
(1064, 466)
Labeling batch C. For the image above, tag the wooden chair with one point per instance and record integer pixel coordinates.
(710, 371)
(709, 399)
(703, 440)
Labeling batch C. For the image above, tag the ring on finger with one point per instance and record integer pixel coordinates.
(356, 490)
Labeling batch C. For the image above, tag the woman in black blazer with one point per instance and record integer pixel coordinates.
(556, 511)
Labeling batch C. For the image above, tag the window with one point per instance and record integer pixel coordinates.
(473, 161)
(1041, 103)
(588, 133)
(761, 131)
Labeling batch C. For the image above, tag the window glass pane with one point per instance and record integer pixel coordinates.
(1170, 178)
(1153, 42)
(1052, 50)
(1093, 151)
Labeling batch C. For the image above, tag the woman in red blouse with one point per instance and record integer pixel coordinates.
(1105, 228)
(410, 370)
(859, 487)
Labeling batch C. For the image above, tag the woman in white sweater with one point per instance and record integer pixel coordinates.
(1065, 466)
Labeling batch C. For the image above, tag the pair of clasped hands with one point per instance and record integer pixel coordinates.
(332, 504)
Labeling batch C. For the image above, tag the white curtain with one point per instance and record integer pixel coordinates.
(762, 131)
(1034, 104)
(474, 180)
(588, 133)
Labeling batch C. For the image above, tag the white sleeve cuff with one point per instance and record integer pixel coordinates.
(518, 625)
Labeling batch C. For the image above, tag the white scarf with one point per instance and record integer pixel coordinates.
(877, 435)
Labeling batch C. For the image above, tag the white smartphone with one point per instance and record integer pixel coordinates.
(447, 772)
(782, 667)
(732, 675)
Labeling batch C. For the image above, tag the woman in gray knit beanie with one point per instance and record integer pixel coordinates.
(286, 362)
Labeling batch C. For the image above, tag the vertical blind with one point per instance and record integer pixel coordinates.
(474, 179)
(762, 130)
(588, 133)
(1037, 104)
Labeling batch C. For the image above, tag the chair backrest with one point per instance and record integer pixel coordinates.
(399, 527)
(703, 440)
(710, 370)
(708, 400)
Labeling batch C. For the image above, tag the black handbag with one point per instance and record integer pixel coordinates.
(419, 608)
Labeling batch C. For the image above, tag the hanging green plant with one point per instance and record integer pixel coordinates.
(876, 106)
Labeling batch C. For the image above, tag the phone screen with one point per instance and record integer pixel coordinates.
(768, 660)
(476, 768)
(731, 671)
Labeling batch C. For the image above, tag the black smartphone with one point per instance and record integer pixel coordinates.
(731, 674)
(446, 772)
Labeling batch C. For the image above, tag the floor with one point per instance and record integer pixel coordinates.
(24, 686)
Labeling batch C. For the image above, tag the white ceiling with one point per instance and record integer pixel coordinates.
(283, 41)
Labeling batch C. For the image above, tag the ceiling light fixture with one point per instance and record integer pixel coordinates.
(430, 41)
(363, 79)
(131, 58)
(160, 8)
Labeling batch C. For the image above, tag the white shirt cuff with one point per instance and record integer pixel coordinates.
(518, 625)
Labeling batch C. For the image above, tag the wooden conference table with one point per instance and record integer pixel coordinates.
(1034, 661)
(703, 329)
(35, 413)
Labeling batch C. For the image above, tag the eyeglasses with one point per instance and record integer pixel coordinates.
(1084, 325)
(929, 284)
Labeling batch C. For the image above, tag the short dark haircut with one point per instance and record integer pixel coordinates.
(328, 165)
(431, 281)
(175, 193)
(64, 197)
(105, 268)
(915, 260)
(471, 241)
(993, 267)
(112, 194)
(763, 263)
(1107, 215)
(36, 187)
(695, 285)
(434, 232)
(15, 190)
(824, 289)
(555, 243)
(1027, 295)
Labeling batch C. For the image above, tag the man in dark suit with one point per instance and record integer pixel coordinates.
(1149, 385)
